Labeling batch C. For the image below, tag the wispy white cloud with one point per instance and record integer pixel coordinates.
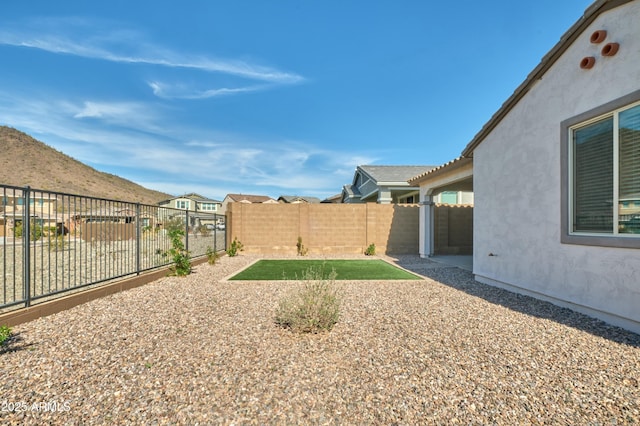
(177, 159)
(85, 39)
(167, 91)
(100, 110)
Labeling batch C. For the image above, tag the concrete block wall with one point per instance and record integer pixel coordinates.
(324, 228)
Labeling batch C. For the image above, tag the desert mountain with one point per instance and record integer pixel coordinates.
(27, 161)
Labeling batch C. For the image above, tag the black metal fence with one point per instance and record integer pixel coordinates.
(52, 243)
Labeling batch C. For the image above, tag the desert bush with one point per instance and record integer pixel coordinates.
(5, 333)
(36, 231)
(204, 231)
(48, 231)
(177, 223)
(212, 256)
(181, 261)
(371, 250)
(235, 247)
(313, 307)
(302, 250)
(56, 242)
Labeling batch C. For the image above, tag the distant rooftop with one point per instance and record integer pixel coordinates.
(394, 173)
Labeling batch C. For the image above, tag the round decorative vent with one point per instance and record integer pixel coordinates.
(610, 49)
(587, 62)
(598, 36)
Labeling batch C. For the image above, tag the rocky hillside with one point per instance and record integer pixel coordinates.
(27, 161)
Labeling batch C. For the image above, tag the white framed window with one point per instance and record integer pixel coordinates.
(182, 204)
(601, 176)
(208, 207)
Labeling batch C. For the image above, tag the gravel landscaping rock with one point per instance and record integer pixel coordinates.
(204, 350)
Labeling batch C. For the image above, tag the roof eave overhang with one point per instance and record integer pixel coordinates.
(590, 15)
(439, 171)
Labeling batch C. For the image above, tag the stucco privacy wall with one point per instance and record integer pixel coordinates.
(324, 228)
(453, 229)
(517, 184)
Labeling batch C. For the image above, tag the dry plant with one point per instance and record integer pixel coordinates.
(314, 306)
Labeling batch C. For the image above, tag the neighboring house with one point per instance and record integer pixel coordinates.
(244, 198)
(108, 215)
(202, 210)
(296, 199)
(42, 210)
(383, 185)
(334, 199)
(193, 202)
(556, 174)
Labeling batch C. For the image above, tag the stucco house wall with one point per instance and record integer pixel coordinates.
(517, 184)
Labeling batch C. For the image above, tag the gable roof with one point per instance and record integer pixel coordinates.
(198, 197)
(447, 167)
(337, 198)
(294, 198)
(193, 196)
(590, 14)
(249, 198)
(350, 191)
(392, 174)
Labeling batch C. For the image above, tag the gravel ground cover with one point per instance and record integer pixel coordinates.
(204, 350)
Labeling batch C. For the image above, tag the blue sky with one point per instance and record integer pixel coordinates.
(265, 97)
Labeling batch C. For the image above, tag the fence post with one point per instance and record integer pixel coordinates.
(138, 240)
(215, 232)
(186, 230)
(26, 244)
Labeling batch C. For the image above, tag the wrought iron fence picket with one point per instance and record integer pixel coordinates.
(67, 242)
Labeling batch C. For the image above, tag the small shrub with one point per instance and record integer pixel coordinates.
(175, 224)
(181, 261)
(212, 256)
(302, 250)
(371, 250)
(312, 308)
(204, 231)
(48, 231)
(236, 246)
(36, 231)
(57, 243)
(5, 333)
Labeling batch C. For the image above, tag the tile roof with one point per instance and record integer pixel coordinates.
(292, 198)
(453, 164)
(249, 198)
(394, 173)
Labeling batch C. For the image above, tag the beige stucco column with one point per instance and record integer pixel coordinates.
(426, 225)
(384, 195)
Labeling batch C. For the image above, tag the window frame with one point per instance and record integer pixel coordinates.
(182, 204)
(566, 191)
(208, 207)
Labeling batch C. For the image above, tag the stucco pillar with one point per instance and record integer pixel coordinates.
(384, 196)
(426, 226)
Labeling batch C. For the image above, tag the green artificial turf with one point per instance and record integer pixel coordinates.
(345, 270)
